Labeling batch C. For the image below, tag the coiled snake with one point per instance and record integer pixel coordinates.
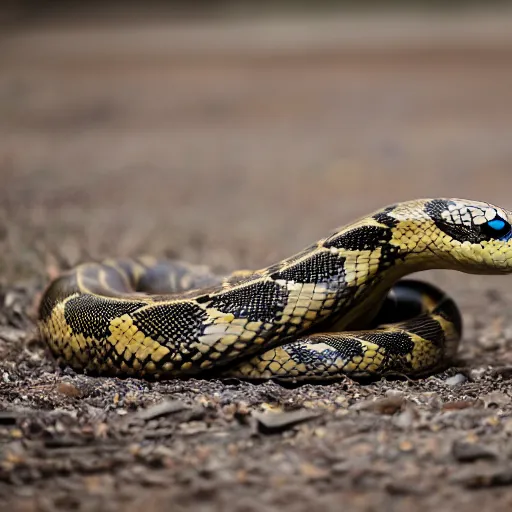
(333, 309)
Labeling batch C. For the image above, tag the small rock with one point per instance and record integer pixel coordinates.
(470, 452)
(162, 409)
(273, 422)
(431, 399)
(16, 433)
(193, 428)
(459, 405)
(11, 334)
(406, 418)
(505, 372)
(387, 406)
(406, 446)
(68, 389)
(493, 337)
(101, 430)
(495, 400)
(354, 465)
(507, 426)
(312, 472)
(404, 488)
(456, 380)
(477, 373)
(479, 478)
(394, 393)
(342, 467)
(492, 421)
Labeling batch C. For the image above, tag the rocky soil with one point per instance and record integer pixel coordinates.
(235, 146)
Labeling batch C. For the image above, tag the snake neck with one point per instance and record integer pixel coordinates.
(355, 267)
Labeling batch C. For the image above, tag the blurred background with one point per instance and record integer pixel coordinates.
(235, 133)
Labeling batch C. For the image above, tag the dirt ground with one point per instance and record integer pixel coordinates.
(236, 145)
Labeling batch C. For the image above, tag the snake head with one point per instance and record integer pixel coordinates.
(475, 236)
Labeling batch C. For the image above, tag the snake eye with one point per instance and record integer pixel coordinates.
(497, 229)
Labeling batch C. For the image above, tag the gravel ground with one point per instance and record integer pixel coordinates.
(221, 148)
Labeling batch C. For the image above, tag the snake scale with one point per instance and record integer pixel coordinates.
(337, 308)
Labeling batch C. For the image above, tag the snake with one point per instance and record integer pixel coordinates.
(342, 307)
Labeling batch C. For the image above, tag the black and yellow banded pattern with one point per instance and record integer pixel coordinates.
(338, 307)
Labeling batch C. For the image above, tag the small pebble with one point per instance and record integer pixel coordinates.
(430, 399)
(406, 418)
(458, 405)
(10, 334)
(68, 389)
(387, 406)
(505, 372)
(456, 380)
(495, 400)
(469, 452)
(162, 409)
(477, 373)
(480, 478)
(272, 422)
(312, 472)
(394, 393)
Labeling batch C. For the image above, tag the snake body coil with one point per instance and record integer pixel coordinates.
(318, 314)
